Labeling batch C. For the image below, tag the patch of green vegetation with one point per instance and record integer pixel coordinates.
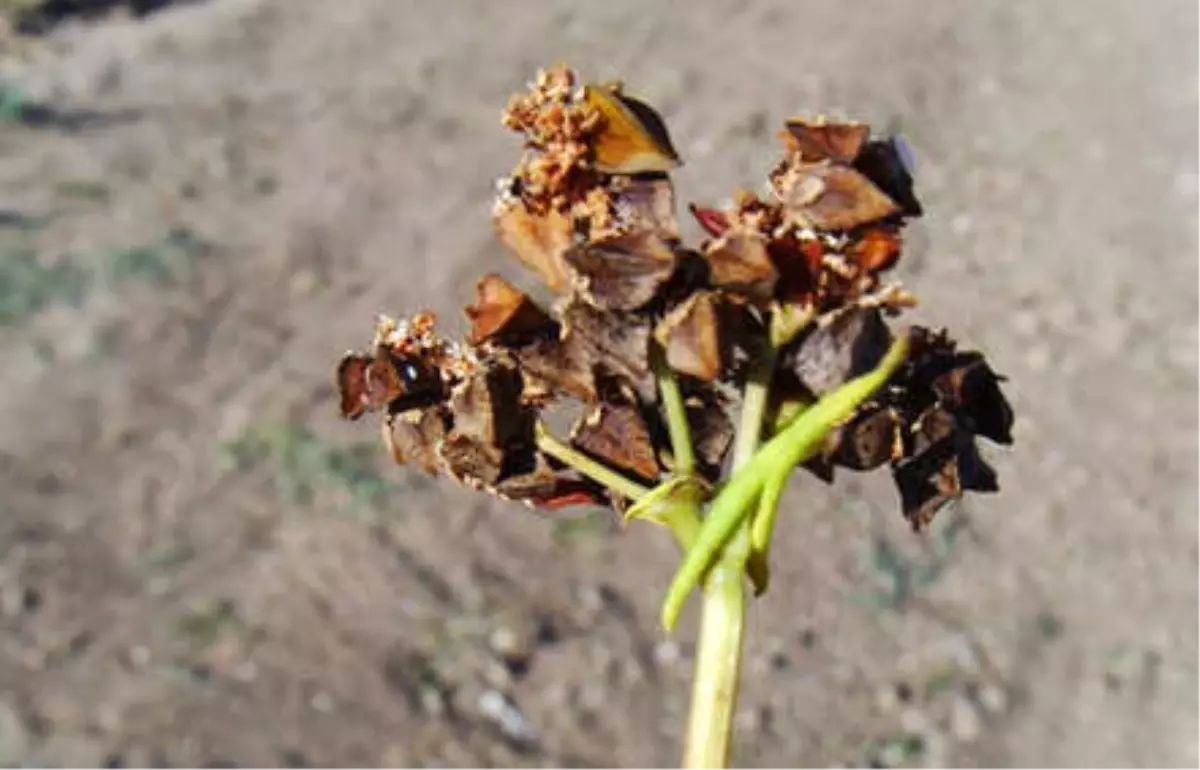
(305, 464)
(589, 525)
(83, 189)
(205, 626)
(904, 576)
(13, 100)
(29, 284)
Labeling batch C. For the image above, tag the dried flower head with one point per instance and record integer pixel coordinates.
(590, 210)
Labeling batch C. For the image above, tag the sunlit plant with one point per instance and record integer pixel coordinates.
(705, 374)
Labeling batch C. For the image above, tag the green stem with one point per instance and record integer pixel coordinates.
(677, 422)
(596, 471)
(722, 623)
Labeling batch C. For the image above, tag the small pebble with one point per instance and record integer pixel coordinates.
(667, 652)
(965, 721)
(993, 699)
(322, 702)
(496, 707)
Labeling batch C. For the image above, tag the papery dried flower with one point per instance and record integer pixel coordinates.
(590, 210)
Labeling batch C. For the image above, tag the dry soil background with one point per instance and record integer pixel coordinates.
(200, 210)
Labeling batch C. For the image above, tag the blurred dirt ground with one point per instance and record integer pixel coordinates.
(201, 209)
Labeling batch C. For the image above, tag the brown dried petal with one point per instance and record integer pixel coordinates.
(618, 344)
(691, 336)
(370, 383)
(617, 434)
(502, 311)
(632, 139)
(624, 272)
(712, 430)
(828, 197)
(558, 367)
(493, 432)
(539, 241)
(413, 437)
(830, 355)
(819, 140)
(739, 261)
(877, 250)
(645, 203)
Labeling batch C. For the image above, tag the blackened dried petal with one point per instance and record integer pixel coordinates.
(850, 345)
(868, 440)
(739, 261)
(942, 461)
(691, 335)
(539, 240)
(822, 140)
(828, 197)
(503, 312)
(973, 390)
(883, 163)
(618, 435)
(624, 272)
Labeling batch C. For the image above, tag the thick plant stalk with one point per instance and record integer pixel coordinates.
(723, 620)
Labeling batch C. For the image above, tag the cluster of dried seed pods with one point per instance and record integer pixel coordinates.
(590, 209)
